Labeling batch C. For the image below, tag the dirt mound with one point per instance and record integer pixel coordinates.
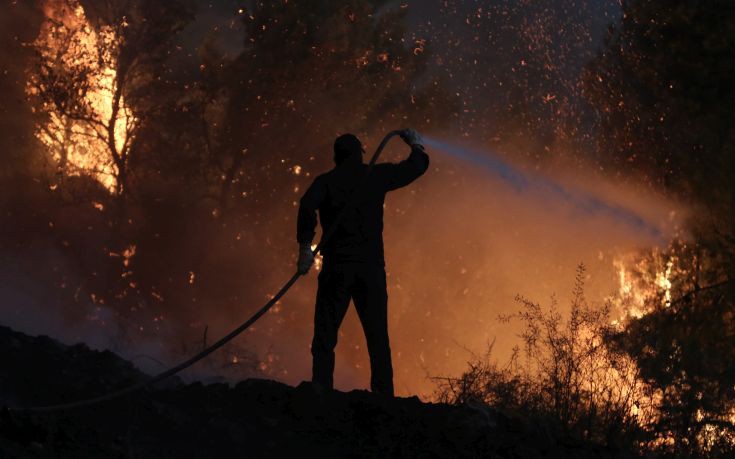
(255, 418)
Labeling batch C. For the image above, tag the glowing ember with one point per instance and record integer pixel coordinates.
(128, 254)
(317, 259)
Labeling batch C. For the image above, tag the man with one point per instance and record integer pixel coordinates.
(354, 267)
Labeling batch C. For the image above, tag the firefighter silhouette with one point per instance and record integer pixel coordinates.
(354, 265)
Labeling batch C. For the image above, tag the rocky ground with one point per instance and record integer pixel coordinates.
(255, 418)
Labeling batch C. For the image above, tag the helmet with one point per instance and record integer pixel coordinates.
(345, 146)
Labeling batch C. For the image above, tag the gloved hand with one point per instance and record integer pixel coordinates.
(412, 138)
(306, 258)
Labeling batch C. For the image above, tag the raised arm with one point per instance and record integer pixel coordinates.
(401, 174)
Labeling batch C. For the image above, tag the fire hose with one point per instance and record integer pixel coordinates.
(244, 326)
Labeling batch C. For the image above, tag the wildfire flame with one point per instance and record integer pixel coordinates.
(639, 291)
(82, 145)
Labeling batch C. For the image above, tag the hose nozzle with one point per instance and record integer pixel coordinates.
(411, 137)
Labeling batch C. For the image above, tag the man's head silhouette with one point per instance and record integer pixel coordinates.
(345, 146)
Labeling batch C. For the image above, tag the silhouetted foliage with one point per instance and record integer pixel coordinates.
(661, 381)
(664, 94)
(565, 374)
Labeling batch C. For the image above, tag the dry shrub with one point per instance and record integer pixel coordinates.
(565, 375)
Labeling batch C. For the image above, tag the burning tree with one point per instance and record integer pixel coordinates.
(90, 72)
(92, 84)
(79, 85)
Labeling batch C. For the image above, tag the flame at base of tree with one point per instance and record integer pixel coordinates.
(644, 283)
(88, 128)
(671, 301)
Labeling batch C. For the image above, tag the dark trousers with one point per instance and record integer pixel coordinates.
(364, 283)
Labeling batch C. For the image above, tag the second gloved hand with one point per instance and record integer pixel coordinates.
(412, 138)
(306, 258)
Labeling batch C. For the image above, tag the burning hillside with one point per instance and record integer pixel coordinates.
(155, 154)
(160, 268)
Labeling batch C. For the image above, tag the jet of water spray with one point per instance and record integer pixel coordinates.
(542, 187)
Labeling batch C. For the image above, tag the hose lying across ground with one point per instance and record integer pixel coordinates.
(225, 339)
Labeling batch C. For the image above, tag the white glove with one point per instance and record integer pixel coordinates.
(412, 137)
(306, 259)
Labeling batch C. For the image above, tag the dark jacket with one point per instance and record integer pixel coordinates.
(359, 236)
